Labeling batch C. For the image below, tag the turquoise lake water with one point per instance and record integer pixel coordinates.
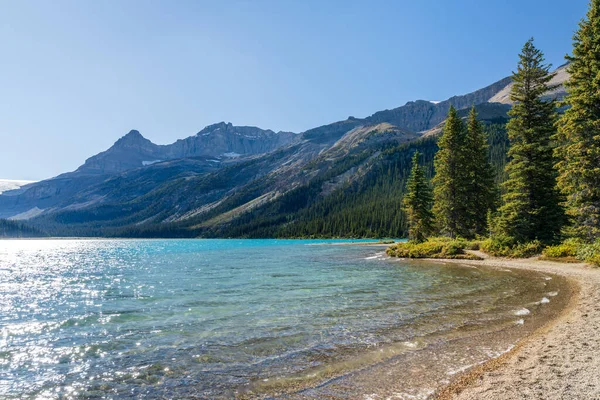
(211, 318)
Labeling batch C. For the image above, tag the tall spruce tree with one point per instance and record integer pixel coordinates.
(579, 131)
(531, 207)
(417, 203)
(450, 192)
(482, 191)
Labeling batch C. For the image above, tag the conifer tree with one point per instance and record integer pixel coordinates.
(450, 197)
(482, 191)
(579, 130)
(417, 203)
(531, 207)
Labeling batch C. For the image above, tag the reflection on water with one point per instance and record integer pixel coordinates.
(211, 318)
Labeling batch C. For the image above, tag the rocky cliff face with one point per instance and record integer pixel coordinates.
(559, 92)
(421, 115)
(218, 141)
(130, 151)
(226, 140)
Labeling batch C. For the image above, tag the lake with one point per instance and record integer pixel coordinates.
(248, 318)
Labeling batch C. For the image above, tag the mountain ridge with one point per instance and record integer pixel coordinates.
(432, 113)
(133, 150)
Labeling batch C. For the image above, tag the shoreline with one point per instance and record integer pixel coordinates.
(559, 360)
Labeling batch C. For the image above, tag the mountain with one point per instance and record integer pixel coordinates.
(344, 178)
(215, 141)
(215, 146)
(423, 115)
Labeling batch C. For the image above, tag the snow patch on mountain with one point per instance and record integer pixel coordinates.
(144, 163)
(31, 213)
(11, 184)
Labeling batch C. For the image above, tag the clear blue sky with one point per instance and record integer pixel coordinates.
(77, 75)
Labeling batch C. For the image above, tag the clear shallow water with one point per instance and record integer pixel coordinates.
(213, 318)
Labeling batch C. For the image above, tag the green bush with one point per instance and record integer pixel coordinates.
(590, 252)
(575, 249)
(505, 246)
(415, 250)
(474, 245)
(433, 248)
(527, 250)
(455, 244)
(498, 245)
(595, 259)
(453, 248)
(568, 248)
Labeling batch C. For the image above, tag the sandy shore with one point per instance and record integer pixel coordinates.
(559, 361)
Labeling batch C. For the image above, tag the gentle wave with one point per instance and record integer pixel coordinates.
(523, 311)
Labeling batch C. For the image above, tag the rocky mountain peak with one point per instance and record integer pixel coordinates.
(214, 127)
(214, 141)
(133, 139)
(134, 134)
(130, 151)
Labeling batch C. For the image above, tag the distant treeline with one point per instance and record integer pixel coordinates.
(15, 229)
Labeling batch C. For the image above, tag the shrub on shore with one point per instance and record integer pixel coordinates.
(474, 245)
(590, 253)
(568, 248)
(433, 248)
(574, 250)
(571, 250)
(506, 246)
